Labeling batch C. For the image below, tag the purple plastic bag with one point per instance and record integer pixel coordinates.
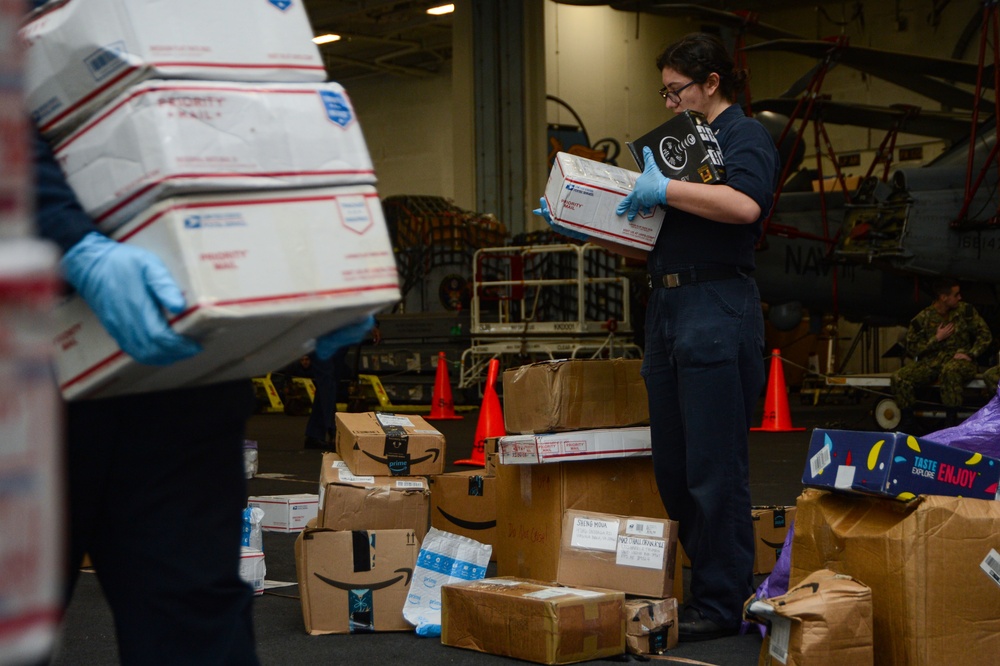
(776, 584)
(980, 433)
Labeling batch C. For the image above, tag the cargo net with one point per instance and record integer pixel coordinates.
(428, 232)
(602, 302)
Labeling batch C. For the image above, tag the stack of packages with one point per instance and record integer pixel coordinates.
(355, 562)
(916, 523)
(30, 413)
(580, 524)
(206, 133)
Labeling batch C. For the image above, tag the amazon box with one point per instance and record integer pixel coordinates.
(80, 54)
(263, 273)
(629, 553)
(465, 503)
(351, 502)
(582, 196)
(684, 148)
(574, 394)
(285, 513)
(932, 564)
(533, 621)
(354, 582)
(770, 527)
(650, 625)
(825, 619)
(389, 444)
(576, 445)
(894, 464)
(162, 138)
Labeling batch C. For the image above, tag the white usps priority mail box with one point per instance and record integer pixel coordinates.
(161, 138)
(81, 53)
(285, 513)
(263, 273)
(582, 196)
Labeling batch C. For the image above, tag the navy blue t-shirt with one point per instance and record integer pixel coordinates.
(752, 167)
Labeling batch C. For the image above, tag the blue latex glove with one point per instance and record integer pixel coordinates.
(650, 189)
(543, 211)
(128, 288)
(345, 336)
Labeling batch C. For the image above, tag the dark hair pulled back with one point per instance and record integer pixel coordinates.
(699, 54)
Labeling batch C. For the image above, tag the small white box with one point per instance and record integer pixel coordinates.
(263, 274)
(582, 196)
(163, 138)
(81, 53)
(574, 445)
(285, 513)
(253, 569)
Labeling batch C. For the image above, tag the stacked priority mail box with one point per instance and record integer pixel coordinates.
(355, 561)
(230, 157)
(577, 512)
(31, 413)
(918, 523)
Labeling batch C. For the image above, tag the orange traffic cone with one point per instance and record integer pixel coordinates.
(442, 405)
(490, 422)
(776, 417)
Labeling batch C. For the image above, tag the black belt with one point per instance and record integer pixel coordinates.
(692, 275)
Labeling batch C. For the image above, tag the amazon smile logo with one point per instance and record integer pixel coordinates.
(432, 455)
(468, 524)
(341, 585)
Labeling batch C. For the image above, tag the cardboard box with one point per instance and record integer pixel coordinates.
(389, 444)
(285, 513)
(533, 621)
(684, 148)
(633, 554)
(897, 465)
(491, 455)
(832, 184)
(582, 196)
(650, 625)
(932, 565)
(162, 138)
(253, 569)
(82, 54)
(770, 527)
(574, 394)
(577, 445)
(354, 582)
(825, 619)
(263, 274)
(351, 502)
(465, 503)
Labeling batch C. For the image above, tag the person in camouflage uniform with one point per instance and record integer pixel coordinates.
(945, 338)
(991, 377)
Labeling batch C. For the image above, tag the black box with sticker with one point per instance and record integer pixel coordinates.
(684, 148)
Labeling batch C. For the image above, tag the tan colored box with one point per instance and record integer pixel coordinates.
(351, 502)
(354, 582)
(826, 619)
(633, 554)
(531, 500)
(491, 455)
(932, 565)
(574, 394)
(650, 625)
(770, 527)
(533, 621)
(465, 503)
(384, 444)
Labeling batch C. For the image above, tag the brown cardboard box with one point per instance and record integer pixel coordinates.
(650, 625)
(490, 454)
(465, 503)
(629, 553)
(574, 394)
(533, 621)
(351, 502)
(354, 582)
(531, 500)
(770, 527)
(389, 444)
(825, 619)
(932, 566)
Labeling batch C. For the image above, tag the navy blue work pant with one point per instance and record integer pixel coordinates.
(156, 493)
(704, 372)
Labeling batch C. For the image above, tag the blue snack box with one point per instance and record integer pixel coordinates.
(897, 465)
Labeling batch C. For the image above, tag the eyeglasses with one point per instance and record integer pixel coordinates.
(675, 95)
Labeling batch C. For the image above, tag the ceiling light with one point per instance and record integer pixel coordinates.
(441, 9)
(326, 39)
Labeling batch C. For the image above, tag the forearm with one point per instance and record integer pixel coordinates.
(719, 203)
(57, 210)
